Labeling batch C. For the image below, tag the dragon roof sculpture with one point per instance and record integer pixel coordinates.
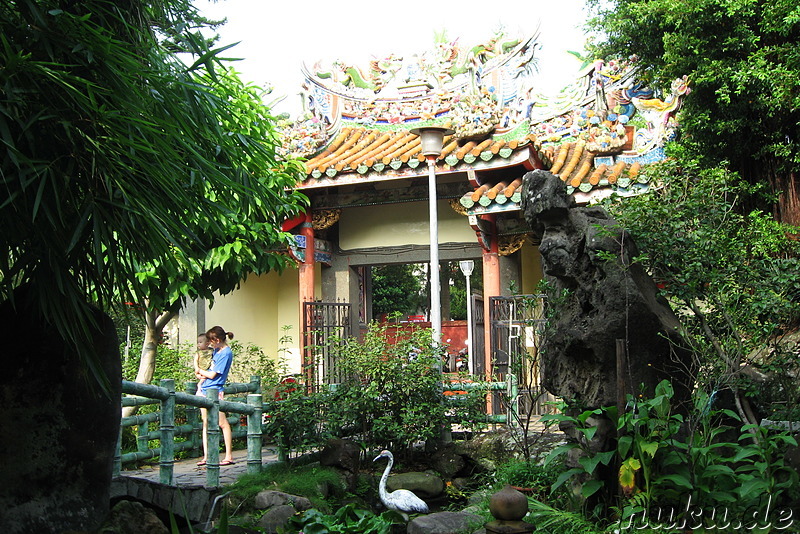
(595, 133)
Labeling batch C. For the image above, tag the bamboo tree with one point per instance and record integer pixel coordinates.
(128, 173)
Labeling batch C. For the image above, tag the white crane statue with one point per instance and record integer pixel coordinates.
(402, 500)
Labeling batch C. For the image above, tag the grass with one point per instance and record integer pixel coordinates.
(307, 480)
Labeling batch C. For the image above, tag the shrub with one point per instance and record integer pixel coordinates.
(391, 394)
(665, 460)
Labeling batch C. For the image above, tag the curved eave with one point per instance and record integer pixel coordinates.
(588, 177)
(359, 155)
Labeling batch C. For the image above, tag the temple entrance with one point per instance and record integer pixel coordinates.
(400, 293)
(323, 322)
(516, 326)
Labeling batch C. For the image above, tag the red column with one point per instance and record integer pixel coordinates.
(307, 267)
(491, 288)
(306, 291)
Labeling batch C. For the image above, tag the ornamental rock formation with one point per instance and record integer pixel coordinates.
(599, 295)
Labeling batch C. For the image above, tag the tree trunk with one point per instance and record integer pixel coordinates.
(153, 330)
(789, 199)
(58, 427)
(783, 184)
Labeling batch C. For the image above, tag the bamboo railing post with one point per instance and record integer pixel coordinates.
(193, 419)
(212, 439)
(167, 454)
(142, 436)
(513, 396)
(255, 383)
(254, 434)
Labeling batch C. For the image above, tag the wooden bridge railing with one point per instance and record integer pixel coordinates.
(168, 398)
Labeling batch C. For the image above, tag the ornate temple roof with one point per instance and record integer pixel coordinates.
(596, 134)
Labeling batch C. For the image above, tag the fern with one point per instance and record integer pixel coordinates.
(553, 521)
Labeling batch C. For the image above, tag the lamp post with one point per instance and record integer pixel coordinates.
(432, 139)
(466, 267)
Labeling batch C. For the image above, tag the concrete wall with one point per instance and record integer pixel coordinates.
(400, 224)
(531, 266)
(257, 312)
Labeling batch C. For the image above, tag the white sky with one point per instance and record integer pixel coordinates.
(277, 37)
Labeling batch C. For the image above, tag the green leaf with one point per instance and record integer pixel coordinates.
(751, 488)
(648, 448)
(590, 487)
(563, 477)
(589, 432)
(746, 452)
(679, 480)
(627, 474)
(558, 451)
(624, 445)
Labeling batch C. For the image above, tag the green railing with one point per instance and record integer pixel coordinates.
(510, 386)
(137, 394)
(169, 399)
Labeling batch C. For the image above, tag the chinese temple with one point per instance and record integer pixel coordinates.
(367, 179)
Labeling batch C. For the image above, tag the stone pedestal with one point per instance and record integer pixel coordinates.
(508, 527)
(508, 506)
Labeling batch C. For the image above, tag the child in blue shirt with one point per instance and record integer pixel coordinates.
(215, 377)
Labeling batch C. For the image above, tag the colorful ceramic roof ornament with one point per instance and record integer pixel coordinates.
(595, 134)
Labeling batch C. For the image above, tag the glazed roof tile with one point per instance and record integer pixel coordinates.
(584, 173)
(360, 150)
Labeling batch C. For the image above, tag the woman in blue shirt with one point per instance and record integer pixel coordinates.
(215, 377)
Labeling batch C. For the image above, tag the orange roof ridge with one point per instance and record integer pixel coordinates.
(451, 146)
(496, 146)
(461, 152)
(583, 170)
(481, 147)
(616, 170)
(400, 150)
(577, 152)
(600, 171)
(329, 151)
(374, 149)
(478, 193)
(563, 150)
(413, 148)
(362, 147)
(494, 191)
(634, 169)
(509, 192)
(344, 147)
(397, 140)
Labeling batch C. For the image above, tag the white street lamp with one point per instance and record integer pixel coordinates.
(432, 139)
(466, 267)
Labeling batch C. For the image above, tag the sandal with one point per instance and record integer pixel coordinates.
(227, 462)
(201, 463)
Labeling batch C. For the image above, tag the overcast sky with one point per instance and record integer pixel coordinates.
(277, 37)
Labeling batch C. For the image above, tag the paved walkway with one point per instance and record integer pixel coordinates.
(187, 473)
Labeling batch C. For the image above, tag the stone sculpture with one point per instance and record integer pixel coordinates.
(599, 295)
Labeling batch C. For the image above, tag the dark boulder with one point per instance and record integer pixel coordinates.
(58, 426)
(599, 295)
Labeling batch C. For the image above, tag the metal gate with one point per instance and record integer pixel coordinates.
(477, 366)
(325, 324)
(516, 324)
